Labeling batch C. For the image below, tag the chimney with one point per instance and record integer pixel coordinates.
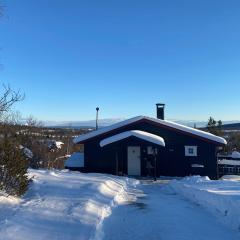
(160, 110)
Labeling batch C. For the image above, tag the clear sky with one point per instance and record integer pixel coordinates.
(69, 56)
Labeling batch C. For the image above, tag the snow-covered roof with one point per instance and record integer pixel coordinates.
(26, 151)
(75, 160)
(235, 154)
(229, 162)
(170, 124)
(136, 133)
(59, 144)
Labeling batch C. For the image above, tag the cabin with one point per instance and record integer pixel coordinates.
(229, 164)
(146, 146)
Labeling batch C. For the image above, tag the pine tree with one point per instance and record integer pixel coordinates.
(215, 127)
(13, 168)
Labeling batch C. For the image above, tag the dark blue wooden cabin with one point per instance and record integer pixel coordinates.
(187, 151)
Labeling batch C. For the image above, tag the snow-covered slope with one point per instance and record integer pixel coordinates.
(62, 205)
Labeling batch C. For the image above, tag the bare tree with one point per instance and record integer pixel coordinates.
(12, 118)
(31, 121)
(8, 98)
(13, 172)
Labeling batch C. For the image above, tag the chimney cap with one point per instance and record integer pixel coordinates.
(160, 104)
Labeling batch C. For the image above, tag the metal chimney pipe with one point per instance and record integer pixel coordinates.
(97, 109)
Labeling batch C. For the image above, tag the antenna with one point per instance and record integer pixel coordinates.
(97, 109)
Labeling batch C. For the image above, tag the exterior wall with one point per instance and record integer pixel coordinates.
(171, 160)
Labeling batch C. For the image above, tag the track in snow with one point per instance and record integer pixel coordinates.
(164, 216)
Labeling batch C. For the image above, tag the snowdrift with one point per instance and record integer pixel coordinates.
(63, 205)
(220, 197)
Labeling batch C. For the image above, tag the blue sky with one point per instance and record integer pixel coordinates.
(124, 56)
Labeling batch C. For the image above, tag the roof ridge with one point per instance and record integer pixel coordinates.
(170, 124)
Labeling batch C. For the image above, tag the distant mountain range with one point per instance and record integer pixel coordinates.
(228, 125)
(82, 124)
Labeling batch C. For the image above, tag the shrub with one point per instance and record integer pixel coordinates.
(13, 168)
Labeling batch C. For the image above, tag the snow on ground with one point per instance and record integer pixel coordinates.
(70, 205)
(231, 177)
(160, 213)
(221, 197)
(62, 205)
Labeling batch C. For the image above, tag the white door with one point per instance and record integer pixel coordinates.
(134, 161)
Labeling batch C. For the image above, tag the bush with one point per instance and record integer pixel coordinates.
(13, 168)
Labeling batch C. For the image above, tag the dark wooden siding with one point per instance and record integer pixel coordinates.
(171, 160)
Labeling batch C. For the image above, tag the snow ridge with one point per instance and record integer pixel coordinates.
(121, 196)
(63, 205)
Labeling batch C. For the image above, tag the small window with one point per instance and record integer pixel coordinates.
(191, 151)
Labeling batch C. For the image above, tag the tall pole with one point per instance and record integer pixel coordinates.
(155, 164)
(70, 125)
(97, 109)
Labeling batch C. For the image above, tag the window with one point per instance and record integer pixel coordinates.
(191, 151)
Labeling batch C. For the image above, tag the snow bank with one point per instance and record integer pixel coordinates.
(231, 177)
(220, 197)
(63, 205)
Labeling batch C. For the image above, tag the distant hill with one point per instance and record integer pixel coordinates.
(190, 123)
(82, 124)
(228, 125)
(231, 126)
